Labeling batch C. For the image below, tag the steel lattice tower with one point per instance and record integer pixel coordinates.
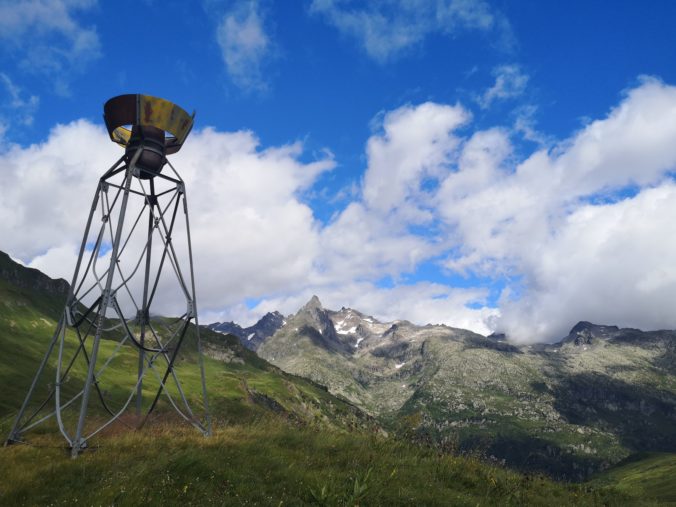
(127, 260)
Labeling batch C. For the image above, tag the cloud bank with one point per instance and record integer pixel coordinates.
(577, 231)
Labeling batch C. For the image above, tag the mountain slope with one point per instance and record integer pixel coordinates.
(567, 409)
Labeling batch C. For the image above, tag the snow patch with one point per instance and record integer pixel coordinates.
(397, 366)
(359, 340)
(250, 336)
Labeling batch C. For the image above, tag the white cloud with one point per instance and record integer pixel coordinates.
(608, 264)
(387, 29)
(47, 39)
(581, 231)
(371, 237)
(251, 233)
(19, 105)
(245, 45)
(524, 220)
(510, 82)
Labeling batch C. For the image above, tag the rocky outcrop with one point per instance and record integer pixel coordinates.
(252, 337)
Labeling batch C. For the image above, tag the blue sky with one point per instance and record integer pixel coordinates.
(402, 127)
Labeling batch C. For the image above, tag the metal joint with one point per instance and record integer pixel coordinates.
(108, 298)
(180, 187)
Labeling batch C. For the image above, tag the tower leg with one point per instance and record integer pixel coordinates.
(197, 323)
(15, 434)
(145, 314)
(78, 442)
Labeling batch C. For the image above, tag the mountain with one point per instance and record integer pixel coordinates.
(251, 337)
(568, 409)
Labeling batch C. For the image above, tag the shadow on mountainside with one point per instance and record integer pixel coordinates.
(644, 419)
(536, 455)
(479, 342)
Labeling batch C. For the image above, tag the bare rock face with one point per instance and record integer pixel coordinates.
(584, 333)
(252, 337)
(567, 409)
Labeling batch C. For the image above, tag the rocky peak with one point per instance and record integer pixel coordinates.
(271, 319)
(314, 315)
(584, 333)
(313, 304)
(252, 336)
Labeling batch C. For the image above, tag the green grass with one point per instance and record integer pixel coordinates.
(650, 476)
(271, 462)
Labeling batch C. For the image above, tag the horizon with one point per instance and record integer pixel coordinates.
(486, 166)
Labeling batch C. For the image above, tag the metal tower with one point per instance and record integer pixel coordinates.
(130, 257)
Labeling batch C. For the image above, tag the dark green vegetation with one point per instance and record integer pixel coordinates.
(278, 438)
(568, 409)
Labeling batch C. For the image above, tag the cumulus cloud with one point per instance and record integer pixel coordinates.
(245, 45)
(46, 38)
(251, 232)
(387, 29)
(371, 238)
(526, 219)
(609, 263)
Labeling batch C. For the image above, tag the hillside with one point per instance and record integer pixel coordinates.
(646, 475)
(567, 409)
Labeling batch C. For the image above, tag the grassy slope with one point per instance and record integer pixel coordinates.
(645, 475)
(269, 463)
